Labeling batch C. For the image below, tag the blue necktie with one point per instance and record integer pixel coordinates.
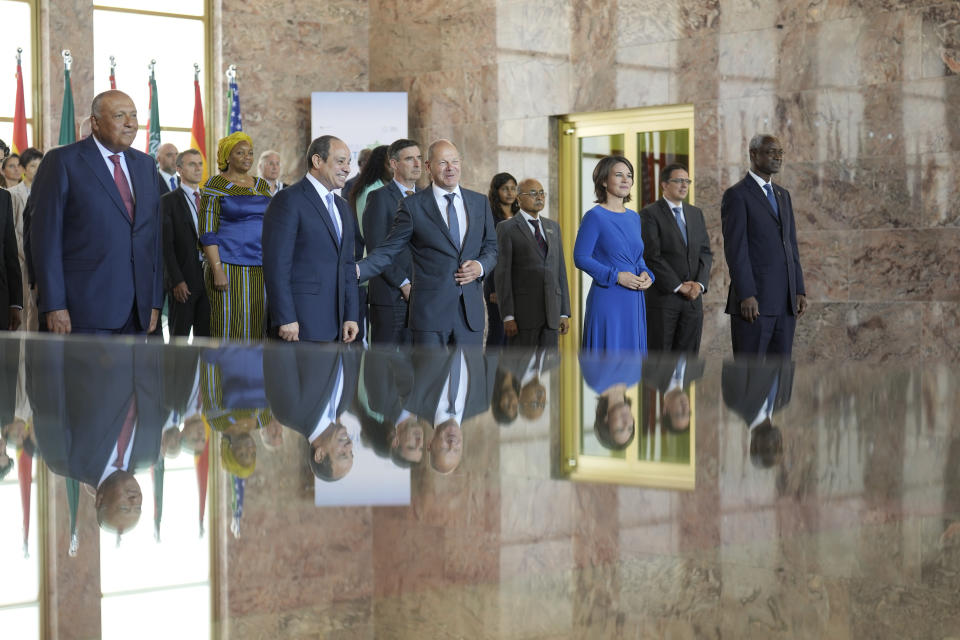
(773, 201)
(678, 214)
(452, 221)
(173, 183)
(454, 387)
(333, 217)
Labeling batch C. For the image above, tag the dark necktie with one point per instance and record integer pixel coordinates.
(454, 385)
(196, 201)
(124, 440)
(122, 185)
(773, 201)
(408, 192)
(539, 237)
(452, 221)
(333, 217)
(173, 183)
(678, 214)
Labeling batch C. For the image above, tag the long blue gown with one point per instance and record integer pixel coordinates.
(615, 317)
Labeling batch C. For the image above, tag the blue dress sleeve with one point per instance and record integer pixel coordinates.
(583, 248)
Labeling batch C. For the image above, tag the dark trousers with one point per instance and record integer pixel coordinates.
(192, 314)
(678, 330)
(766, 335)
(542, 337)
(459, 333)
(130, 327)
(388, 324)
(362, 313)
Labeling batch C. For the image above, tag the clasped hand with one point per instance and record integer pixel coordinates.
(635, 282)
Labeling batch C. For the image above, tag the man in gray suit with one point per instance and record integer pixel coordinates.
(676, 247)
(450, 234)
(531, 275)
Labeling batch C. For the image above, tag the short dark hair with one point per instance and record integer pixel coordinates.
(5, 469)
(399, 145)
(29, 155)
(602, 171)
(4, 148)
(601, 425)
(498, 414)
(493, 196)
(766, 445)
(6, 160)
(184, 153)
(319, 147)
(669, 169)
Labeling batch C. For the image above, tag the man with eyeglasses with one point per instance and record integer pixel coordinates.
(676, 247)
(531, 275)
(760, 243)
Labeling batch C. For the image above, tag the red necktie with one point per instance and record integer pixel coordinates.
(541, 241)
(125, 434)
(196, 199)
(122, 185)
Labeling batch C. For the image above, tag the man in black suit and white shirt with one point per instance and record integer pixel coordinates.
(167, 168)
(676, 247)
(531, 275)
(189, 306)
(390, 290)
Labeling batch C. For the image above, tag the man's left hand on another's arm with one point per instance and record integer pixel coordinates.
(469, 271)
(801, 304)
(154, 318)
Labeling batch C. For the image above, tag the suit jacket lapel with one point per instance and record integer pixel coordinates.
(139, 187)
(527, 233)
(433, 212)
(310, 192)
(187, 208)
(671, 221)
(91, 154)
(759, 194)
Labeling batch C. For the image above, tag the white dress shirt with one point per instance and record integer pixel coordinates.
(109, 469)
(192, 203)
(323, 191)
(329, 414)
(106, 153)
(167, 177)
(440, 195)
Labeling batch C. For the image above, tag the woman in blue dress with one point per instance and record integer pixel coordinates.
(609, 248)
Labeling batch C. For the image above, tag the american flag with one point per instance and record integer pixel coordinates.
(236, 121)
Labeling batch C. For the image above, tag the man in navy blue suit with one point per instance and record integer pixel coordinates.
(96, 229)
(308, 259)
(766, 293)
(450, 234)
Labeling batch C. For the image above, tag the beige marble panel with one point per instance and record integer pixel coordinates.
(905, 265)
(538, 85)
(541, 26)
(644, 79)
(746, 63)
(938, 182)
(878, 332)
(825, 257)
(940, 40)
(65, 24)
(696, 77)
(591, 56)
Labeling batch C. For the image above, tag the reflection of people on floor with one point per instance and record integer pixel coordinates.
(449, 388)
(99, 413)
(755, 390)
(671, 375)
(519, 386)
(309, 390)
(611, 376)
(183, 430)
(388, 425)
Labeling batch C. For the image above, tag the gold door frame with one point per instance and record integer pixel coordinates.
(571, 129)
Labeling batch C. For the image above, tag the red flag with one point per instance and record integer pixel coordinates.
(202, 463)
(113, 80)
(19, 115)
(25, 475)
(198, 133)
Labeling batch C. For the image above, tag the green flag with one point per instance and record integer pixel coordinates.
(68, 125)
(73, 501)
(153, 136)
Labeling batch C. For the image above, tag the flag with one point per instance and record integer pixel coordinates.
(19, 115)
(202, 463)
(198, 132)
(25, 476)
(235, 122)
(157, 473)
(239, 484)
(73, 502)
(68, 125)
(153, 132)
(113, 78)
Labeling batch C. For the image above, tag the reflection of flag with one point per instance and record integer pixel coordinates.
(25, 475)
(235, 121)
(157, 472)
(202, 462)
(73, 501)
(19, 115)
(113, 77)
(68, 126)
(153, 133)
(198, 132)
(239, 484)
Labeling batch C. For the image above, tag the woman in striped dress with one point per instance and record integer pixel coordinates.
(233, 204)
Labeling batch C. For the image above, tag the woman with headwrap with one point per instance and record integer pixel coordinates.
(232, 205)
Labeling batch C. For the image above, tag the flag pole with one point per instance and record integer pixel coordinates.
(67, 59)
(113, 74)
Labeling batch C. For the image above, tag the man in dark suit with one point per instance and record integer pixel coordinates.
(760, 243)
(527, 365)
(189, 306)
(11, 283)
(671, 375)
(99, 411)
(308, 252)
(755, 390)
(451, 237)
(96, 229)
(531, 275)
(677, 249)
(449, 388)
(390, 290)
(308, 390)
(389, 427)
(167, 168)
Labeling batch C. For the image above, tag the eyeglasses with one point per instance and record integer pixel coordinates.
(533, 194)
(686, 181)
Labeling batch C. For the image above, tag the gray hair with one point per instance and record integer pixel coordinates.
(757, 141)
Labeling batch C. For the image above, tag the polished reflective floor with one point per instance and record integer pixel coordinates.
(276, 491)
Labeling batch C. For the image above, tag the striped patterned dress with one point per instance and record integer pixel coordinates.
(232, 219)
